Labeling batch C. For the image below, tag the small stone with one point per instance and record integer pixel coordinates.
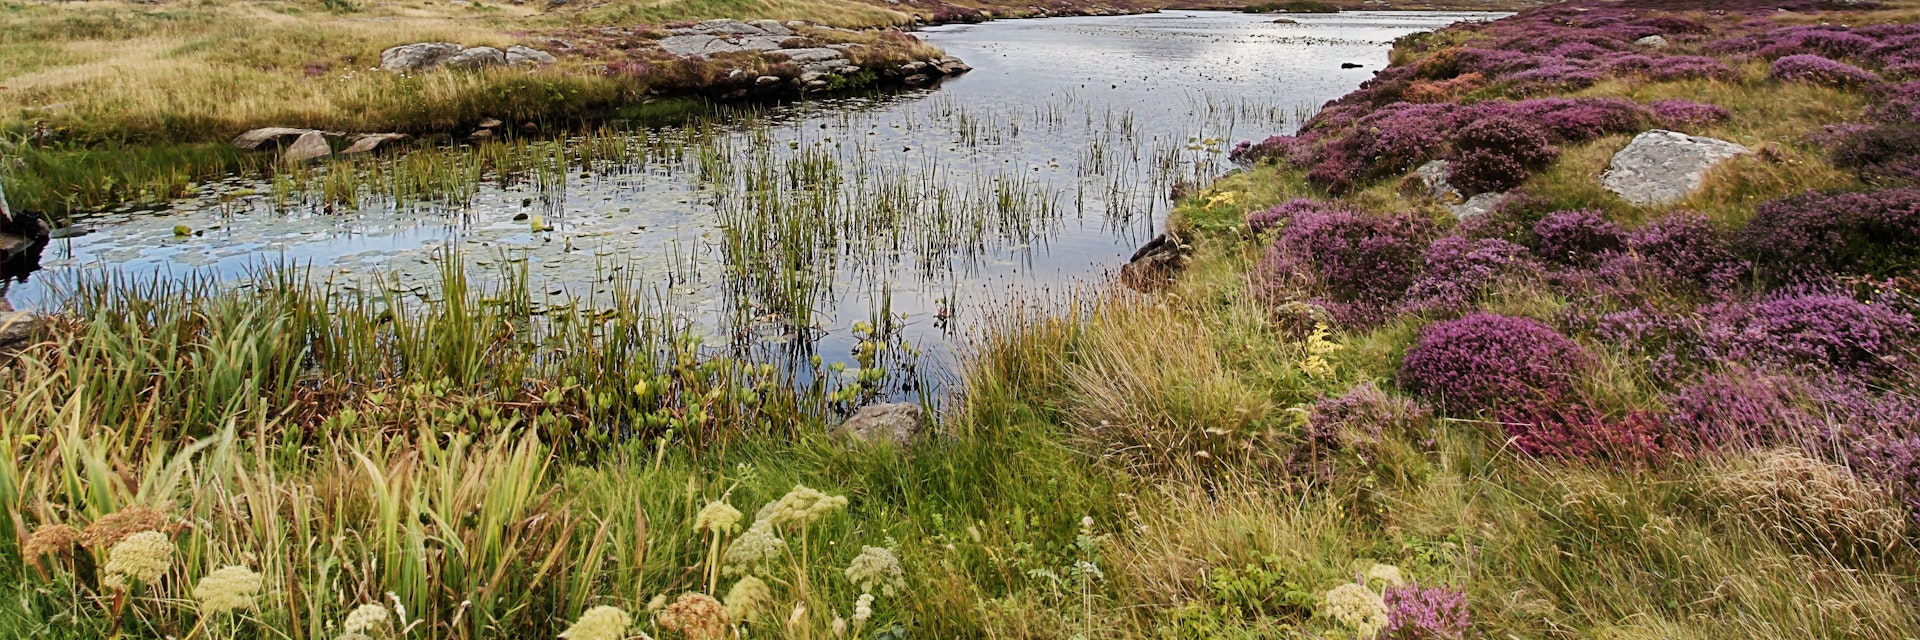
(1652, 42)
(766, 81)
(311, 145)
(490, 123)
(902, 423)
(17, 328)
(1351, 65)
(917, 79)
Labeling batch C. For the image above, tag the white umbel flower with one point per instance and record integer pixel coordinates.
(368, 618)
(143, 557)
(717, 517)
(876, 567)
(230, 588)
(753, 550)
(800, 506)
(1357, 607)
(599, 623)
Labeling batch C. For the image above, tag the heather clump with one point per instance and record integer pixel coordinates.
(1741, 407)
(1497, 154)
(1573, 119)
(1818, 70)
(1875, 233)
(1458, 271)
(1485, 361)
(1815, 331)
(1426, 612)
(1683, 248)
(1682, 114)
(1579, 237)
(1355, 264)
(1581, 432)
(1280, 214)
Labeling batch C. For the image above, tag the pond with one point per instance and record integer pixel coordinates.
(777, 230)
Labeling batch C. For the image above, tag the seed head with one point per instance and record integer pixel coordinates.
(50, 540)
(143, 557)
(876, 567)
(599, 623)
(800, 506)
(1386, 573)
(230, 588)
(367, 618)
(1357, 607)
(695, 615)
(747, 598)
(110, 529)
(717, 517)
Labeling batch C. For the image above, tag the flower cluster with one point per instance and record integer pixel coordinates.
(799, 507)
(230, 588)
(754, 550)
(717, 518)
(1356, 607)
(1355, 264)
(747, 597)
(1419, 612)
(141, 557)
(599, 623)
(876, 568)
(1484, 361)
(695, 615)
(1814, 69)
(1496, 154)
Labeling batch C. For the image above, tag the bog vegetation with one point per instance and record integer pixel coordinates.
(1352, 416)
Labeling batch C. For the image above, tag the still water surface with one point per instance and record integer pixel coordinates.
(1036, 174)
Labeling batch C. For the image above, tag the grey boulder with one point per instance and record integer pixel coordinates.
(415, 57)
(311, 145)
(1661, 167)
(902, 423)
(476, 58)
(519, 54)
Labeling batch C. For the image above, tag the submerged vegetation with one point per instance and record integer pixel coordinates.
(1353, 415)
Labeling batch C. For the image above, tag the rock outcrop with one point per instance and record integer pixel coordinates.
(1433, 175)
(818, 62)
(311, 145)
(423, 56)
(901, 423)
(1153, 266)
(1661, 167)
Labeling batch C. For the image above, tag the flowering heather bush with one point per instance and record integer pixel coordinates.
(1669, 68)
(1249, 153)
(1894, 461)
(1419, 612)
(1578, 432)
(1818, 70)
(1683, 248)
(1360, 415)
(1874, 232)
(1484, 361)
(1741, 408)
(1359, 262)
(1280, 214)
(1687, 113)
(1897, 104)
(1573, 119)
(1822, 331)
(1577, 237)
(1881, 154)
(1497, 154)
(1459, 269)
